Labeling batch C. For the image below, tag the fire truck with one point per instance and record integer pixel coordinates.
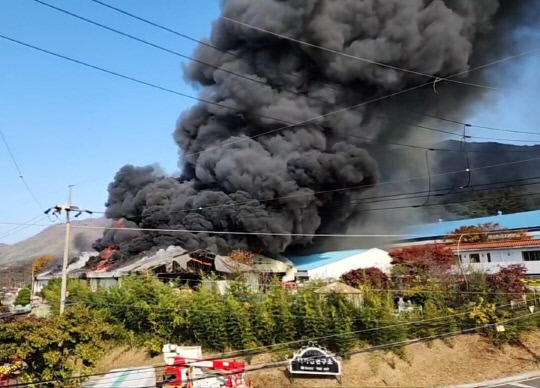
(185, 368)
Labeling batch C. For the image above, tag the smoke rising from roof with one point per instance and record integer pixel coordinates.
(271, 183)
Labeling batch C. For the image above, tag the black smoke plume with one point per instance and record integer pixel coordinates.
(237, 178)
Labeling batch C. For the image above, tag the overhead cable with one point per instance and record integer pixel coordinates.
(435, 78)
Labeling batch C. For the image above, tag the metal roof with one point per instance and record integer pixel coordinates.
(523, 220)
(306, 263)
(497, 245)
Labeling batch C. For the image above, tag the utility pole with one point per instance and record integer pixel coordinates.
(461, 264)
(57, 210)
(66, 254)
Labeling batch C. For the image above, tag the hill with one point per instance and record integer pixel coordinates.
(50, 241)
(438, 363)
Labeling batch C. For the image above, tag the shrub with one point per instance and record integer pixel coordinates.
(23, 297)
(508, 281)
(372, 275)
(424, 259)
(55, 348)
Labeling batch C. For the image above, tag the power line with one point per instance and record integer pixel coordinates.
(452, 203)
(110, 72)
(435, 78)
(365, 186)
(250, 351)
(221, 232)
(20, 228)
(170, 51)
(384, 198)
(476, 126)
(389, 198)
(25, 183)
(219, 68)
(262, 366)
(432, 194)
(175, 32)
(322, 116)
(235, 109)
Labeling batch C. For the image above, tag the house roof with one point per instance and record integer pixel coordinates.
(316, 260)
(497, 245)
(523, 220)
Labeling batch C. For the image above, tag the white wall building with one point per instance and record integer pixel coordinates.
(491, 256)
(331, 265)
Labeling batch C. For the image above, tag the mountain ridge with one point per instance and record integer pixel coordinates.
(50, 241)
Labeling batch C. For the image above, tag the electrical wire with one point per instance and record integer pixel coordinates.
(262, 366)
(392, 197)
(454, 202)
(435, 78)
(475, 125)
(204, 43)
(361, 104)
(20, 228)
(156, 46)
(129, 78)
(365, 186)
(385, 198)
(235, 109)
(26, 185)
(219, 232)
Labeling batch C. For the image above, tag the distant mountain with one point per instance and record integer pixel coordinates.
(50, 241)
(501, 177)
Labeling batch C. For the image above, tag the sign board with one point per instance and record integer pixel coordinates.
(315, 361)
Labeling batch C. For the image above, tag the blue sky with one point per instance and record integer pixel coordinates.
(67, 124)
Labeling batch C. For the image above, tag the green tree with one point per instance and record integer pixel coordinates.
(207, 319)
(57, 348)
(77, 292)
(340, 323)
(279, 303)
(238, 324)
(23, 297)
(262, 323)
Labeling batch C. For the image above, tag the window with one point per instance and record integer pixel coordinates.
(531, 255)
(474, 257)
(488, 257)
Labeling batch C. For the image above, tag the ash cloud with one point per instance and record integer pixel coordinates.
(270, 183)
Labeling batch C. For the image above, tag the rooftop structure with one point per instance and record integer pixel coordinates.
(331, 265)
(515, 221)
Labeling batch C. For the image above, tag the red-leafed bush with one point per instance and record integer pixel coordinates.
(424, 258)
(508, 280)
(360, 276)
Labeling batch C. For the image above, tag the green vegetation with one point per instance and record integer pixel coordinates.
(147, 312)
(57, 348)
(23, 297)
(487, 203)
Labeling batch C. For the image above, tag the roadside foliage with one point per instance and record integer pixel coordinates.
(146, 312)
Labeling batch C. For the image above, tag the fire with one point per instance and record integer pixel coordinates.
(105, 255)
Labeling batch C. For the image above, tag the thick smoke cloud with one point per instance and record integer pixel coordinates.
(273, 182)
